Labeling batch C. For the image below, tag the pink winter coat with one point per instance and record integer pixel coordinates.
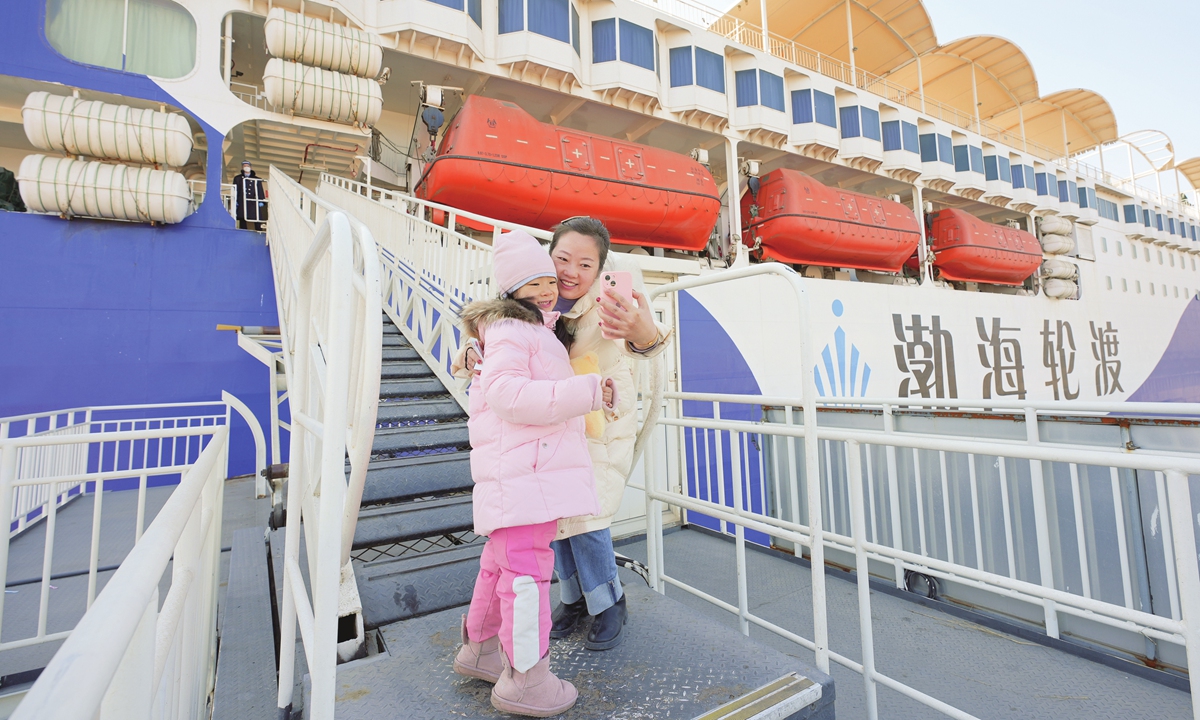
(529, 457)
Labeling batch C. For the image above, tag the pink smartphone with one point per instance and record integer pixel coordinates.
(621, 283)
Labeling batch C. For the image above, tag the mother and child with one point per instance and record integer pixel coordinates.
(552, 429)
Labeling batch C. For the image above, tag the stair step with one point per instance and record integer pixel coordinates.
(389, 327)
(386, 524)
(400, 353)
(396, 340)
(401, 588)
(418, 439)
(414, 388)
(391, 481)
(396, 369)
(407, 411)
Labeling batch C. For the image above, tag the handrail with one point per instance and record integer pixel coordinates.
(329, 297)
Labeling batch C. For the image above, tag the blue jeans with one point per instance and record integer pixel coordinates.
(587, 569)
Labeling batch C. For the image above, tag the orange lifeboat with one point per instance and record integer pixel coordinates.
(796, 219)
(967, 249)
(497, 160)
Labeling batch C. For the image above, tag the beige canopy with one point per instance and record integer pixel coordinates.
(1067, 122)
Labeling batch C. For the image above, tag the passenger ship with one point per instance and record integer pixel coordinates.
(945, 252)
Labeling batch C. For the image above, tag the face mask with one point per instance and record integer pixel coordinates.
(245, 171)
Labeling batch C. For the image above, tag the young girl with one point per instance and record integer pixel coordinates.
(531, 467)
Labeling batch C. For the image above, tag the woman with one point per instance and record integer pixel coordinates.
(583, 550)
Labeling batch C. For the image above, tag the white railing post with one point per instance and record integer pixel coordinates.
(1187, 571)
(1041, 523)
(858, 531)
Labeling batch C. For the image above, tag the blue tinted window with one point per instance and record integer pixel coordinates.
(870, 123)
(909, 132)
(710, 70)
(1158, 221)
(604, 40)
(745, 85)
(945, 150)
(1131, 214)
(976, 159)
(574, 26)
(1064, 193)
(1018, 176)
(455, 4)
(475, 10)
(962, 162)
(849, 117)
(637, 45)
(1005, 170)
(1171, 225)
(929, 148)
(891, 136)
(512, 16)
(551, 18)
(991, 168)
(1042, 182)
(802, 109)
(825, 108)
(1072, 191)
(1147, 218)
(771, 90)
(681, 66)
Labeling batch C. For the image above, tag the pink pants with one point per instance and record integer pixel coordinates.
(512, 593)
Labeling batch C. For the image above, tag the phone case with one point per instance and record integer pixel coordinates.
(621, 283)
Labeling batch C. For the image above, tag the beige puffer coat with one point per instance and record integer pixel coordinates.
(612, 452)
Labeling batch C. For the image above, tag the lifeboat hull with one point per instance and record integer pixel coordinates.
(967, 249)
(796, 219)
(499, 161)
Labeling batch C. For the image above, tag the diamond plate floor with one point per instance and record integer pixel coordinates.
(675, 663)
(986, 673)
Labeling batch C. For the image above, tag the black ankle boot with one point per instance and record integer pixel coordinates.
(606, 631)
(565, 617)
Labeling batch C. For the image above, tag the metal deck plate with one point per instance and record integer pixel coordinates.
(673, 664)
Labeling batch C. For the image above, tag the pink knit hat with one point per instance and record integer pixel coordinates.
(518, 258)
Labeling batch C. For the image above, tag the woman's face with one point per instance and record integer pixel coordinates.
(542, 292)
(577, 261)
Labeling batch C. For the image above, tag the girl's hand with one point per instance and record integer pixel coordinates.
(470, 362)
(609, 392)
(631, 324)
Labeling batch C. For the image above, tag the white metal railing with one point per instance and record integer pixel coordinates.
(251, 95)
(129, 656)
(199, 188)
(858, 511)
(429, 272)
(328, 294)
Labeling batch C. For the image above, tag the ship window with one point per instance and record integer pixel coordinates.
(710, 70)
(1138, 285)
(771, 90)
(745, 84)
(1158, 221)
(929, 148)
(825, 108)
(1018, 176)
(1146, 254)
(149, 37)
(1005, 170)
(637, 45)
(1133, 251)
(1152, 289)
(1108, 208)
(550, 18)
(1176, 291)
(976, 159)
(512, 16)
(1103, 244)
(1108, 281)
(991, 168)
(911, 141)
(1160, 260)
(1072, 192)
(1042, 182)
(945, 150)
(962, 161)
(1146, 217)
(891, 136)
(1124, 285)
(1120, 250)
(604, 39)
(1171, 224)
(870, 123)
(1063, 192)
(574, 26)
(681, 66)
(802, 109)
(849, 116)
(1130, 214)
(1172, 259)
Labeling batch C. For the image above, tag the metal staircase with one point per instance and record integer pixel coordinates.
(414, 552)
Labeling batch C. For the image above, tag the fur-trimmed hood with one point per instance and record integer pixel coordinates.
(482, 313)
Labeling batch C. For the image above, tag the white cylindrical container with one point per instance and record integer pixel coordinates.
(1059, 268)
(1057, 244)
(1055, 225)
(321, 93)
(1060, 289)
(314, 42)
(103, 130)
(101, 190)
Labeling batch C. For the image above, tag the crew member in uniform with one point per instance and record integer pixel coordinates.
(250, 193)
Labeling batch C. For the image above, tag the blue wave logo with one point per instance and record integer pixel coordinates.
(841, 376)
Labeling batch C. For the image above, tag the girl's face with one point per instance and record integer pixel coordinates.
(577, 261)
(542, 292)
